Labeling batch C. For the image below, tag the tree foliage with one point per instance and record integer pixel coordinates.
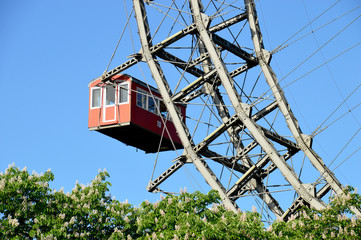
(30, 209)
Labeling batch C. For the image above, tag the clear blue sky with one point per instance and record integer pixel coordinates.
(50, 50)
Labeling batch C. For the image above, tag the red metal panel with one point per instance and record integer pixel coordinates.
(151, 121)
(130, 123)
(109, 115)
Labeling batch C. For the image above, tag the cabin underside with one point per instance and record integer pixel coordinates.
(138, 137)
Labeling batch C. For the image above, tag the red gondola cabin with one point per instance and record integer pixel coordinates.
(132, 112)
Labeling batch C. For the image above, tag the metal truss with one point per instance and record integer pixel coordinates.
(259, 149)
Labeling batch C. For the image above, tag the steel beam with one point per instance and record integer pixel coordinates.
(175, 37)
(233, 49)
(165, 92)
(292, 123)
(179, 162)
(242, 113)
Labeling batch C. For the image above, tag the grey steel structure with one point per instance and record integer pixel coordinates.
(251, 122)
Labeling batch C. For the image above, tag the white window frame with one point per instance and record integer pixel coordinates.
(145, 93)
(156, 104)
(128, 92)
(105, 105)
(105, 96)
(100, 97)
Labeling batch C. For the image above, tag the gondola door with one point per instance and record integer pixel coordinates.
(109, 109)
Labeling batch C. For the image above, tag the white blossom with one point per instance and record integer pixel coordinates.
(243, 217)
(254, 209)
(186, 237)
(14, 222)
(294, 225)
(2, 184)
(353, 221)
(215, 208)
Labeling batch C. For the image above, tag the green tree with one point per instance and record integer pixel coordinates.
(337, 221)
(30, 209)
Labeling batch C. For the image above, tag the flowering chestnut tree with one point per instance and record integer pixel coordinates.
(30, 209)
(337, 221)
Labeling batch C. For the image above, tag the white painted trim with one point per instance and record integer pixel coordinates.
(91, 97)
(105, 106)
(118, 91)
(145, 93)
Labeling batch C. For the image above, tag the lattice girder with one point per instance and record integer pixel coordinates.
(242, 123)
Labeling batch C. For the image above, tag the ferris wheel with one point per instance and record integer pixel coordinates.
(238, 129)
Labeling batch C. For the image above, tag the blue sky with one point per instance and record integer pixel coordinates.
(51, 50)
